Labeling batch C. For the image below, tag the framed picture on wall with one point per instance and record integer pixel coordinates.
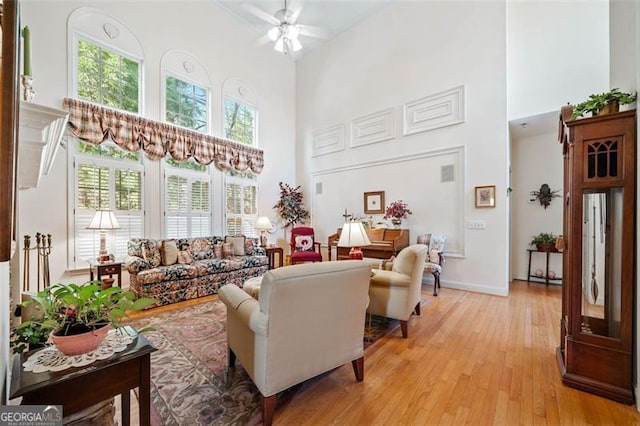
(485, 196)
(374, 202)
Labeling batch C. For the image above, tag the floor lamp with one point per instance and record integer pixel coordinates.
(103, 221)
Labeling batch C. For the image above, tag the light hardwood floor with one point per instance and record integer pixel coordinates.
(470, 359)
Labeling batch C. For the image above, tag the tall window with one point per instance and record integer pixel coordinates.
(105, 176)
(241, 188)
(187, 184)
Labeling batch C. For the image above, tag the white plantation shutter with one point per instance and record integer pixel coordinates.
(187, 204)
(242, 206)
(106, 184)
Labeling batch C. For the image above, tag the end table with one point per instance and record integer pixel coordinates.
(105, 268)
(271, 252)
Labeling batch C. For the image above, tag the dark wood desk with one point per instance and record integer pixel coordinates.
(107, 268)
(78, 388)
(271, 252)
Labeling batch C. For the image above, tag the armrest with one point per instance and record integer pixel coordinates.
(135, 264)
(244, 307)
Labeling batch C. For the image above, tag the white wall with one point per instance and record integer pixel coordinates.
(558, 52)
(225, 47)
(408, 51)
(536, 159)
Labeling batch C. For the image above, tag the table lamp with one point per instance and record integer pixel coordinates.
(103, 220)
(263, 224)
(353, 235)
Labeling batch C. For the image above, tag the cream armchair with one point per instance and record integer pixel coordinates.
(397, 293)
(308, 319)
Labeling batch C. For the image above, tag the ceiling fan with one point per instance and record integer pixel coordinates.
(285, 30)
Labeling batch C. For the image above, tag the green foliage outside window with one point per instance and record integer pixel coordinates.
(108, 151)
(107, 78)
(239, 122)
(186, 104)
(190, 164)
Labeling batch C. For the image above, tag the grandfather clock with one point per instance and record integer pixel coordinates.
(595, 353)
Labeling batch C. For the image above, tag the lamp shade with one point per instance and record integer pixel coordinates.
(353, 235)
(104, 219)
(263, 223)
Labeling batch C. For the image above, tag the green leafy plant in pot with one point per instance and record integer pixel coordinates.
(603, 103)
(80, 316)
(544, 241)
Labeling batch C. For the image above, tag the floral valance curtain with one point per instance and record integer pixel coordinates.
(95, 124)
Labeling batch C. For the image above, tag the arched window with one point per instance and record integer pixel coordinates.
(105, 67)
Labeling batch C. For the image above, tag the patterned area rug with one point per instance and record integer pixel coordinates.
(190, 382)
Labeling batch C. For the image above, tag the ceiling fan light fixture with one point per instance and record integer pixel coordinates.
(274, 33)
(295, 44)
(280, 45)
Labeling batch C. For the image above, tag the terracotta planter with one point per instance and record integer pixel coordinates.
(80, 343)
(546, 247)
(609, 108)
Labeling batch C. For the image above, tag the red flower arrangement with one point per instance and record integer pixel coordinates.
(397, 210)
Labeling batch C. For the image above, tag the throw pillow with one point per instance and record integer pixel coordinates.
(238, 244)
(387, 265)
(169, 252)
(217, 250)
(227, 249)
(200, 249)
(248, 246)
(184, 257)
(134, 248)
(304, 242)
(151, 253)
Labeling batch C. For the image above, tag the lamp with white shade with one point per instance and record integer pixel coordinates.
(263, 224)
(103, 221)
(353, 235)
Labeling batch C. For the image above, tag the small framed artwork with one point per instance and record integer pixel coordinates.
(485, 196)
(374, 202)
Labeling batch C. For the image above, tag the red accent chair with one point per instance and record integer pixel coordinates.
(304, 248)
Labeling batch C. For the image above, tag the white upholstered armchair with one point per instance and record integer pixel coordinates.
(397, 293)
(308, 319)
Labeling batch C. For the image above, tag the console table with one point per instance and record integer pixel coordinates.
(81, 387)
(546, 271)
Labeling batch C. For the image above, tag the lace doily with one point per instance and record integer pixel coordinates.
(51, 359)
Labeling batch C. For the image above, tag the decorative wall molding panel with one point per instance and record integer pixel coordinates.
(434, 111)
(376, 127)
(328, 140)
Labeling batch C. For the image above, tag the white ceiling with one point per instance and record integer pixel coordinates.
(328, 17)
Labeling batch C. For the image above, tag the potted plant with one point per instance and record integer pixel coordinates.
(603, 103)
(396, 211)
(78, 316)
(30, 335)
(289, 206)
(544, 241)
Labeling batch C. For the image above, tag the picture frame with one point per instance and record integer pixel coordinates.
(485, 196)
(374, 202)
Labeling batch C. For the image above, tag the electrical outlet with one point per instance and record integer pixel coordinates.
(476, 224)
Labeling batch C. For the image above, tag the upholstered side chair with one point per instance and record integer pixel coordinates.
(308, 319)
(396, 293)
(304, 248)
(435, 257)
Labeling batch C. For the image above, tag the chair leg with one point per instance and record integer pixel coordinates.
(358, 368)
(436, 283)
(403, 327)
(231, 357)
(268, 408)
(417, 309)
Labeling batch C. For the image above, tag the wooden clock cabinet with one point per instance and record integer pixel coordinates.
(596, 346)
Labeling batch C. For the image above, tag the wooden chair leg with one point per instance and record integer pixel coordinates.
(358, 368)
(403, 327)
(417, 309)
(268, 408)
(436, 283)
(231, 357)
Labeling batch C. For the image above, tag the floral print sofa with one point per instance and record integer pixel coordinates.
(200, 270)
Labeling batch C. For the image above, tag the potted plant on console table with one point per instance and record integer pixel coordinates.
(80, 316)
(544, 241)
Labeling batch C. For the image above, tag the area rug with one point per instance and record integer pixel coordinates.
(190, 381)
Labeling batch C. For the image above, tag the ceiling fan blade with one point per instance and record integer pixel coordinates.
(294, 16)
(259, 13)
(313, 31)
(261, 41)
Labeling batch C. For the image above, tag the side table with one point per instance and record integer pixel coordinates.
(271, 253)
(77, 388)
(105, 268)
(546, 274)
